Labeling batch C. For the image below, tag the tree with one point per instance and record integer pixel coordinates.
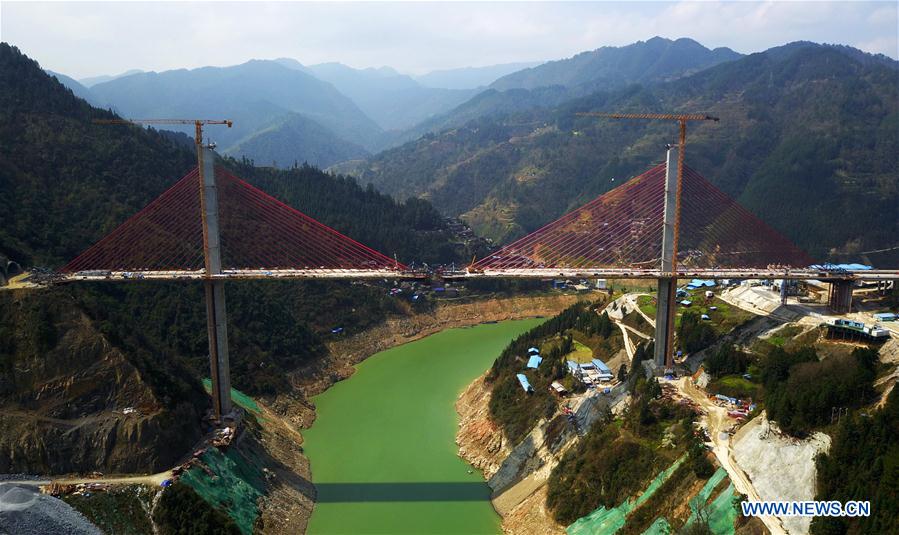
(699, 460)
(727, 360)
(693, 334)
(181, 511)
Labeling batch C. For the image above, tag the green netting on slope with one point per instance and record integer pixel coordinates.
(721, 510)
(235, 489)
(723, 514)
(659, 527)
(238, 397)
(607, 521)
(703, 495)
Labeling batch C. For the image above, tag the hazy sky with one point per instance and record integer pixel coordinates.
(87, 39)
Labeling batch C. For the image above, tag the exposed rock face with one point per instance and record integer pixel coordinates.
(480, 441)
(518, 474)
(781, 467)
(63, 388)
(530, 517)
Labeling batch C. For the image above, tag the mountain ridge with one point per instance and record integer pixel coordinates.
(802, 112)
(614, 67)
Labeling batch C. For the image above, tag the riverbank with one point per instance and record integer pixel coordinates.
(518, 473)
(346, 352)
(482, 444)
(382, 451)
(297, 409)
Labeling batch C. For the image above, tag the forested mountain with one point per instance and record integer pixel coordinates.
(257, 96)
(470, 77)
(344, 110)
(65, 182)
(549, 84)
(808, 133)
(393, 100)
(298, 137)
(79, 90)
(91, 81)
(610, 67)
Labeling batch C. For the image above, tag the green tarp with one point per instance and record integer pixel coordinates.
(721, 511)
(239, 398)
(607, 521)
(659, 527)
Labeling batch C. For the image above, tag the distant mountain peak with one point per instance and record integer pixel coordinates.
(471, 77)
(610, 67)
(290, 63)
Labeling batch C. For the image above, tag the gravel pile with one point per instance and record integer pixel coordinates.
(25, 511)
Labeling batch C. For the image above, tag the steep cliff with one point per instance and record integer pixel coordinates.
(63, 391)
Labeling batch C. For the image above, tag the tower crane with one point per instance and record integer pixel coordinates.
(682, 120)
(198, 123)
(198, 139)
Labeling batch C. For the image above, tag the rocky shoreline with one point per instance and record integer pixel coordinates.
(344, 353)
(296, 408)
(482, 444)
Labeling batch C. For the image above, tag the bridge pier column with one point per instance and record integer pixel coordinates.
(665, 302)
(216, 313)
(840, 298)
(217, 327)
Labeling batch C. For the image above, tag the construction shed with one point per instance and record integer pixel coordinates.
(525, 384)
(601, 366)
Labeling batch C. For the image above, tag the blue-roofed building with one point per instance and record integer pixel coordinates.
(573, 366)
(525, 384)
(534, 361)
(601, 366)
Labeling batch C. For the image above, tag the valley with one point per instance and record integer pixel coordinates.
(393, 356)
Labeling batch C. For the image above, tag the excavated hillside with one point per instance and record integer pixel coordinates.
(64, 389)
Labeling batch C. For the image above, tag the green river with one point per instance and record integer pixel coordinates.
(383, 450)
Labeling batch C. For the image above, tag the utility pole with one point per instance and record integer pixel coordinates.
(664, 355)
(216, 313)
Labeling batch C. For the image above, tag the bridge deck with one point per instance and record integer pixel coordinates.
(268, 274)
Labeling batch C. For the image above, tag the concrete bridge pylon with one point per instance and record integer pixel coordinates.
(666, 301)
(216, 313)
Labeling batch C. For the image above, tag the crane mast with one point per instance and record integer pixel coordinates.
(671, 229)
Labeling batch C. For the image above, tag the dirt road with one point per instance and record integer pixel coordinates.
(151, 479)
(717, 421)
(628, 345)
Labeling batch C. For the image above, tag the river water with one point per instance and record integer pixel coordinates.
(383, 450)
